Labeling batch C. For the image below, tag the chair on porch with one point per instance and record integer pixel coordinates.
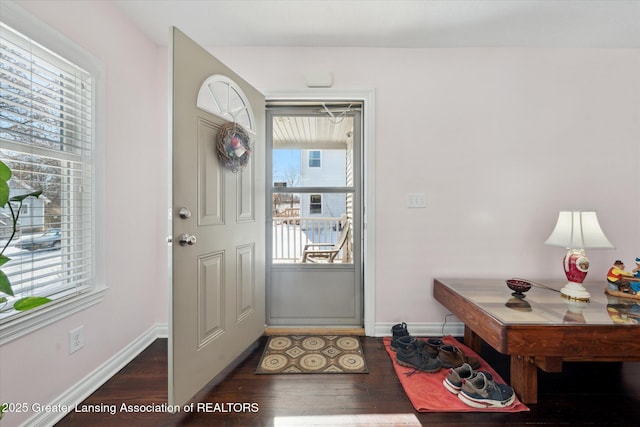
(327, 252)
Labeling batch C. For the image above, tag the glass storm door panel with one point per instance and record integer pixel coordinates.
(314, 245)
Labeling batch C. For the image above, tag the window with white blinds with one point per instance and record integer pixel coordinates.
(46, 139)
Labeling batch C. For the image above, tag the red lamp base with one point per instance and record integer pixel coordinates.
(576, 267)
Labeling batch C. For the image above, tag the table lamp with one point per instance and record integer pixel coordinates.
(577, 231)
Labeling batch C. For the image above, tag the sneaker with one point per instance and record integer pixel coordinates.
(397, 331)
(453, 381)
(409, 355)
(451, 356)
(482, 392)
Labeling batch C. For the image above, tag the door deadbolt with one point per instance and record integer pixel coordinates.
(184, 213)
(187, 240)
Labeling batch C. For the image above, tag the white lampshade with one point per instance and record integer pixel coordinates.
(578, 230)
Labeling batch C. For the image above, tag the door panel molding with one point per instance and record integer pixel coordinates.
(210, 297)
(245, 278)
(211, 179)
(246, 190)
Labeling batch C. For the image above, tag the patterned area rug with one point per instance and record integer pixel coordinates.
(305, 354)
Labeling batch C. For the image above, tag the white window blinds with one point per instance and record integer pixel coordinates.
(46, 139)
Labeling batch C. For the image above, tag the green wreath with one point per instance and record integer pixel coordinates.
(233, 146)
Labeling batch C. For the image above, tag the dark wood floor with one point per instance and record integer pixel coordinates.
(596, 394)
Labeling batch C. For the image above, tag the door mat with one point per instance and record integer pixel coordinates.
(311, 354)
(426, 392)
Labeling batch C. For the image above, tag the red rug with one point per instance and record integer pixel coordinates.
(426, 392)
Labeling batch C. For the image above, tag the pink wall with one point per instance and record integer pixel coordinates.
(135, 148)
(499, 140)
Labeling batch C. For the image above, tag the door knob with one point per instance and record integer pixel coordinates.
(184, 213)
(187, 239)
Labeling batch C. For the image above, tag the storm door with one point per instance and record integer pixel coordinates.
(314, 218)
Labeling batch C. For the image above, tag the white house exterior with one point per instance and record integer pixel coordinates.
(323, 168)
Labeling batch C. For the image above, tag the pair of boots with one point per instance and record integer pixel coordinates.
(412, 352)
(447, 356)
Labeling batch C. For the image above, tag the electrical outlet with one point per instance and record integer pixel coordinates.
(76, 339)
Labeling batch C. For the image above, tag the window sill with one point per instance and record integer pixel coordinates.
(48, 314)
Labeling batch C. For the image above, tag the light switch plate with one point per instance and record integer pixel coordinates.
(416, 200)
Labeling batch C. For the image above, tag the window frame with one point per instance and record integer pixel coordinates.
(311, 158)
(315, 205)
(26, 322)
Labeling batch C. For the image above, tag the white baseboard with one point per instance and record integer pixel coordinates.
(423, 329)
(89, 384)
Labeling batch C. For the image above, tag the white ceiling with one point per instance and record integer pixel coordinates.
(392, 23)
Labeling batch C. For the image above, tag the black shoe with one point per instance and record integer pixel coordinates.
(398, 331)
(408, 354)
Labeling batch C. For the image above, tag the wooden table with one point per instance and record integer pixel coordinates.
(543, 329)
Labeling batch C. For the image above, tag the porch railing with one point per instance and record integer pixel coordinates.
(290, 235)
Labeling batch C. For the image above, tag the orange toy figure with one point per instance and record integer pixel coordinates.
(620, 280)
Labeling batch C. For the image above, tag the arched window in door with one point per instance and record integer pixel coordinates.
(221, 96)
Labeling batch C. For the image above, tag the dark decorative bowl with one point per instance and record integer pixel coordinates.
(519, 286)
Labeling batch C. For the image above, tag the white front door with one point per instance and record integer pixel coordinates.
(218, 220)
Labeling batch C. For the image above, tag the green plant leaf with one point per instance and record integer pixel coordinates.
(4, 193)
(5, 175)
(24, 196)
(5, 172)
(5, 285)
(4, 259)
(27, 303)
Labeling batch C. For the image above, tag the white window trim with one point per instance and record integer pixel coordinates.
(309, 159)
(29, 321)
(32, 320)
(316, 203)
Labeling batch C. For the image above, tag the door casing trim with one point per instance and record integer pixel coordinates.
(367, 96)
